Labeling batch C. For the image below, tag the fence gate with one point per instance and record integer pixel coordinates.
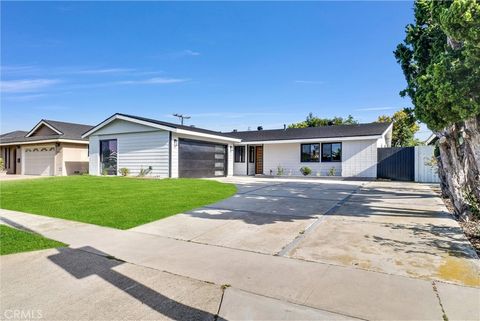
(396, 163)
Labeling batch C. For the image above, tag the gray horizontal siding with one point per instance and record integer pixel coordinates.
(141, 150)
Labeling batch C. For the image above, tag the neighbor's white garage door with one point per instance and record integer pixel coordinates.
(39, 161)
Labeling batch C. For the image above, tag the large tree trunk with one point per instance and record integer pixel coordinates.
(459, 166)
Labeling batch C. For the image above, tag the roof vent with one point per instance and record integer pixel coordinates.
(259, 128)
(235, 130)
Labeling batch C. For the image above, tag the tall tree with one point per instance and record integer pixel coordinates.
(314, 121)
(405, 125)
(440, 58)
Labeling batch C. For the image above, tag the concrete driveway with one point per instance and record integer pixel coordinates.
(264, 216)
(280, 249)
(392, 227)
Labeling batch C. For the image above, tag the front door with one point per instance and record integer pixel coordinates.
(259, 160)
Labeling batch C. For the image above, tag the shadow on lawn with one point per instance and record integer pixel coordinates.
(16, 225)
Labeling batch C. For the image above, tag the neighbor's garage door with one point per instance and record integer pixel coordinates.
(39, 160)
(201, 159)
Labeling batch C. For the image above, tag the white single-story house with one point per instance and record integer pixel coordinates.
(50, 148)
(161, 149)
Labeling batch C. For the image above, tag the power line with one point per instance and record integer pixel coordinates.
(181, 117)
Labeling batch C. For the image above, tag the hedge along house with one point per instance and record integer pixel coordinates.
(51, 148)
(158, 149)
(339, 150)
(161, 149)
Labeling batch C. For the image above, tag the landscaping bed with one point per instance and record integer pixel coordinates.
(470, 228)
(118, 202)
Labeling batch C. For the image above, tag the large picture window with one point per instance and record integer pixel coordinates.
(332, 152)
(239, 154)
(108, 156)
(310, 153)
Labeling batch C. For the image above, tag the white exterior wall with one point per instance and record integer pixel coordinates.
(75, 159)
(230, 159)
(359, 158)
(174, 150)
(240, 168)
(423, 172)
(138, 146)
(137, 151)
(288, 157)
(94, 155)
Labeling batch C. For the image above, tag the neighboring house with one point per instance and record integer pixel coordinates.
(162, 149)
(51, 148)
(431, 140)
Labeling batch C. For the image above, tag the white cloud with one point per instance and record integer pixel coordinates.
(27, 97)
(152, 81)
(105, 71)
(178, 54)
(376, 108)
(26, 85)
(189, 52)
(233, 115)
(19, 70)
(311, 82)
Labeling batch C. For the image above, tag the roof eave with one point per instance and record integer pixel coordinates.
(45, 123)
(157, 126)
(43, 141)
(309, 140)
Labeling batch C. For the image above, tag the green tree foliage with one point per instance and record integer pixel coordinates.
(314, 121)
(405, 125)
(440, 58)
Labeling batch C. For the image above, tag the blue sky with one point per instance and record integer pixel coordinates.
(228, 65)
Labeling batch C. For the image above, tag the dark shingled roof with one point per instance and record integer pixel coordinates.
(172, 125)
(370, 129)
(69, 131)
(14, 134)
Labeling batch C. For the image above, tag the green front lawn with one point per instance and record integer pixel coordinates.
(15, 241)
(118, 202)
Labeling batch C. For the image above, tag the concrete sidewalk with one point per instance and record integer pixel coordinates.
(93, 287)
(345, 291)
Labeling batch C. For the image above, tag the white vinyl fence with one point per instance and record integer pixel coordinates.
(425, 173)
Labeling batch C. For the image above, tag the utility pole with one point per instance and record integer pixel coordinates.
(182, 117)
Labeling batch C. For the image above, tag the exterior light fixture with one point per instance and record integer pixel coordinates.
(175, 142)
(231, 147)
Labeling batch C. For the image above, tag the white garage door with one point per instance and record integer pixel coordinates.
(39, 161)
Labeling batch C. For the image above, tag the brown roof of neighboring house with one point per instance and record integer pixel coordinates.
(70, 131)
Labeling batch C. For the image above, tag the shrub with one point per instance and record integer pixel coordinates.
(124, 171)
(332, 171)
(143, 172)
(305, 170)
(433, 163)
(280, 170)
(2, 165)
